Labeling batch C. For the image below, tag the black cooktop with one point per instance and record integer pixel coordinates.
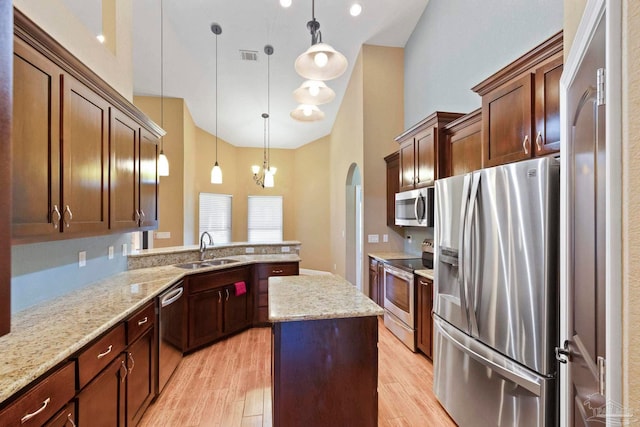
(412, 264)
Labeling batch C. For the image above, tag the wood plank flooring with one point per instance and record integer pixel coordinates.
(228, 384)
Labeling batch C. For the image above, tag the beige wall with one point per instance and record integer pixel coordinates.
(573, 10)
(190, 196)
(114, 65)
(631, 204)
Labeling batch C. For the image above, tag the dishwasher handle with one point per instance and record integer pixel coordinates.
(172, 296)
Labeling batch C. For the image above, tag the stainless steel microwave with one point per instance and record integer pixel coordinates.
(415, 208)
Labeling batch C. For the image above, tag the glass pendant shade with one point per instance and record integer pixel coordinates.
(321, 62)
(307, 113)
(216, 174)
(314, 92)
(163, 164)
(268, 179)
(255, 169)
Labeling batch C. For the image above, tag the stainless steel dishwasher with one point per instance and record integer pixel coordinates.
(171, 332)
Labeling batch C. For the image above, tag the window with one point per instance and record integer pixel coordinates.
(265, 219)
(215, 216)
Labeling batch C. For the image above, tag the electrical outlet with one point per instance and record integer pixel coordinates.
(163, 234)
(82, 258)
(124, 249)
(385, 238)
(110, 252)
(285, 249)
(249, 250)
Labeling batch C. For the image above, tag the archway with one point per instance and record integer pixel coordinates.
(353, 226)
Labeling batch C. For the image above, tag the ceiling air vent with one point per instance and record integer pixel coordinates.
(249, 55)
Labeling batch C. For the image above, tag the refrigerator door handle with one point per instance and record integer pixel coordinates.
(466, 188)
(495, 361)
(470, 282)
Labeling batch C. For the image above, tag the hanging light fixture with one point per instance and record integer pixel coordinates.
(307, 113)
(264, 177)
(320, 61)
(314, 92)
(216, 172)
(163, 162)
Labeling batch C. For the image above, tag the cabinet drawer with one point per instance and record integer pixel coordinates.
(43, 401)
(64, 418)
(140, 322)
(207, 281)
(268, 270)
(263, 300)
(98, 355)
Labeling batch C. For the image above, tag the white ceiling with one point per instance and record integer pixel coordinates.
(189, 58)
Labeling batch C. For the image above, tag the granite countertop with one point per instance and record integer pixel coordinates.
(294, 298)
(385, 256)
(48, 334)
(424, 273)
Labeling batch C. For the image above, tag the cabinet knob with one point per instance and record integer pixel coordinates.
(539, 141)
(525, 144)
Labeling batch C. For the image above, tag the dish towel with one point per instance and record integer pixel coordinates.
(241, 288)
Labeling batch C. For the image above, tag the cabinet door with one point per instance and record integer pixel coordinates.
(36, 144)
(373, 280)
(102, 402)
(393, 186)
(425, 156)
(141, 379)
(65, 418)
(547, 107)
(424, 322)
(205, 317)
(407, 165)
(466, 150)
(506, 115)
(85, 156)
(124, 180)
(148, 171)
(236, 310)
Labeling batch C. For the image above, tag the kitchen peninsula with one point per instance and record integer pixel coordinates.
(324, 352)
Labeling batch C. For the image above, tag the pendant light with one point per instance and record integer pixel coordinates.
(307, 113)
(216, 172)
(321, 61)
(163, 162)
(265, 177)
(314, 92)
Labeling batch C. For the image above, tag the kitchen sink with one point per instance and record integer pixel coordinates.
(221, 261)
(208, 263)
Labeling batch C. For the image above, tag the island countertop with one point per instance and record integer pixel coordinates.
(295, 298)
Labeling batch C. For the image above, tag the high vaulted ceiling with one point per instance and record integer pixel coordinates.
(189, 58)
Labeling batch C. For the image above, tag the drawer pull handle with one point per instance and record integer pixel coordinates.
(33, 414)
(227, 291)
(142, 217)
(525, 144)
(277, 271)
(67, 209)
(424, 283)
(70, 418)
(143, 321)
(123, 366)
(55, 220)
(219, 297)
(539, 141)
(101, 355)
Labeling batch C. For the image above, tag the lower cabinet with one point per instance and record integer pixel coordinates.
(65, 418)
(141, 363)
(102, 402)
(216, 307)
(424, 322)
(376, 282)
(262, 272)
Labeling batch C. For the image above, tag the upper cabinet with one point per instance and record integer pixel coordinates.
(84, 158)
(520, 106)
(420, 149)
(463, 147)
(5, 164)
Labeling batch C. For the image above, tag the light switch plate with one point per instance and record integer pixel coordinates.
(82, 258)
(124, 249)
(385, 238)
(110, 252)
(373, 238)
(163, 234)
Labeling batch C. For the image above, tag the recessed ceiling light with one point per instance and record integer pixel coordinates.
(100, 38)
(285, 3)
(355, 9)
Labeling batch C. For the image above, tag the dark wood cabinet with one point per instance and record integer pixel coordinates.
(521, 108)
(262, 272)
(463, 148)
(215, 308)
(6, 112)
(393, 186)
(65, 418)
(424, 322)
(102, 402)
(142, 362)
(376, 283)
(420, 150)
(134, 175)
(42, 401)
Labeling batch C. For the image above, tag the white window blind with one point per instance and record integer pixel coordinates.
(265, 219)
(215, 216)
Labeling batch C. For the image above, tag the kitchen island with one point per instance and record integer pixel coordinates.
(324, 352)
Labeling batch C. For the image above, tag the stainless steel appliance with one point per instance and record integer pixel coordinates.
(415, 207)
(399, 296)
(495, 303)
(171, 332)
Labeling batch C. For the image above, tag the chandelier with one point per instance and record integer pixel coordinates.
(264, 177)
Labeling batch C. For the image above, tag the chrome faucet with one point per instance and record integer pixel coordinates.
(203, 245)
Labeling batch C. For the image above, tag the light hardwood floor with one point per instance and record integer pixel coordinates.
(228, 384)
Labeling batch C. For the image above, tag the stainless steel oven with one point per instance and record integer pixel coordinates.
(399, 304)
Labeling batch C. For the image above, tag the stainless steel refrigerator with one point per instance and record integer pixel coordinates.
(495, 302)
